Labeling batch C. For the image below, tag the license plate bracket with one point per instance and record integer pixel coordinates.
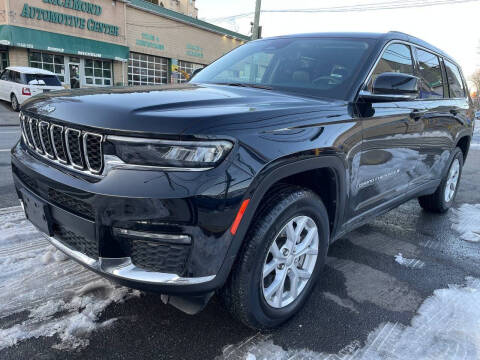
(38, 212)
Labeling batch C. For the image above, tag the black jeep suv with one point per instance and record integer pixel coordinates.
(238, 181)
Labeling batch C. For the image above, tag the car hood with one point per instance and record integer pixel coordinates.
(171, 109)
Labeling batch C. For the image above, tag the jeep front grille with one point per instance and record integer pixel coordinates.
(70, 147)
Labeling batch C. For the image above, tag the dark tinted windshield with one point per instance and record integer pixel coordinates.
(315, 66)
(50, 80)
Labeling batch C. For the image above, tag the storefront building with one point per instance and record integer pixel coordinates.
(110, 42)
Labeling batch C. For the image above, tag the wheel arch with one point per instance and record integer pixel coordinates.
(295, 173)
(464, 144)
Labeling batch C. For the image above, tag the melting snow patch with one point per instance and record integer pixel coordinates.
(410, 263)
(61, 297)
(466, 221)
(446, 327)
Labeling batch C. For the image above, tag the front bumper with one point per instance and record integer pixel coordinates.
(142, 201)
(122, 269)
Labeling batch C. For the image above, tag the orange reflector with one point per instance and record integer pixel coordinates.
(239, 216)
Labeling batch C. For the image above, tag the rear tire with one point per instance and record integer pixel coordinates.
(442, 199)
(14, 103)
(248, 293)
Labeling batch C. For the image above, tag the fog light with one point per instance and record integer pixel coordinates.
(166, 238)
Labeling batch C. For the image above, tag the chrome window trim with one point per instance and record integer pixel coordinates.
(67, 143)
(50, 156)
(442, 57)
(60, 160)
(99, 171)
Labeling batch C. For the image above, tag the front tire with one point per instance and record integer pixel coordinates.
(442, 199)
(283, 254)
(14, 102)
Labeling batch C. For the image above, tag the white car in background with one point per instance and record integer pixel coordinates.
(18, 83)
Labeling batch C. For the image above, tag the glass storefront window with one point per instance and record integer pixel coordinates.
(188, 67)
(50, 62)
(98, 72)
(3, 60)
(147, 69)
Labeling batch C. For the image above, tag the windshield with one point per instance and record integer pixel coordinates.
(315, 66)
(50, 80)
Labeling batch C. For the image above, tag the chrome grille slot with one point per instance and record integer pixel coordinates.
(92, 145)
(43, 128)
(22, 128)
(69, 147)
(28, 132)
(74, 148)
(56, 132)
(36, 135)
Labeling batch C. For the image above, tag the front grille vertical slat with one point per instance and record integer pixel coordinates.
(22, 127)
(36, 135)
(92, 146)
(74, 148)
(28, 131)
(43, 127)
(57, 135)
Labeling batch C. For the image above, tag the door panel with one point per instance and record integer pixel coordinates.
(387, 157)
(436, 141)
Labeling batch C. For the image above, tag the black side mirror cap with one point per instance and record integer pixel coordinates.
(392, 87)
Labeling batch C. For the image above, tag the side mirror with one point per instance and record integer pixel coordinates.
(392, 87)
(195, 72)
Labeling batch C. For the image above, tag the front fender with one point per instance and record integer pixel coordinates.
(272, 174)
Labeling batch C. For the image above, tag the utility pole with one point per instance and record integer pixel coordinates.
(256, 30)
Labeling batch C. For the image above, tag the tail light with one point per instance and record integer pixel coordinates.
(26, 91)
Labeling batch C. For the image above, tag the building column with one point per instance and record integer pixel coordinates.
(120, 73)
(18, 56)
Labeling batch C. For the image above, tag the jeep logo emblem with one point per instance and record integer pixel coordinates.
(47, 109)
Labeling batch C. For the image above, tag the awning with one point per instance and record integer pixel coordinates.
(43, 40)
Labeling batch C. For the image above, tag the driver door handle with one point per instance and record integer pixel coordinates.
(417, 114)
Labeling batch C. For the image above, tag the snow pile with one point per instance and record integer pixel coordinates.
(54, 296)
(466, 221)
(410, 263)
(446, 326)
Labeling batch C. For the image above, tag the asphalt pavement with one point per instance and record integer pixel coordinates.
(361, 289)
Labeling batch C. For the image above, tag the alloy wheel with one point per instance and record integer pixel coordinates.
(290, 262)
(452, 180)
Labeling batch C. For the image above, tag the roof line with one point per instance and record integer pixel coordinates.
(159, 10)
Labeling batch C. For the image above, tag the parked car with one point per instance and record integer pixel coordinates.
(238, 181)
(18, 84)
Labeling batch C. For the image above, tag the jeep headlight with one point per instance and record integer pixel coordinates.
(168, 153)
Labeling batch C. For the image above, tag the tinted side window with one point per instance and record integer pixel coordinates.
(15, 77)
(431, 81)
(455, 83)
(396, 58)
(5, 75)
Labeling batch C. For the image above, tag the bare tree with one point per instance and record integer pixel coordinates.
(475, 79)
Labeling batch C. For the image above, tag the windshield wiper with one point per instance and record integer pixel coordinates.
(239, 84)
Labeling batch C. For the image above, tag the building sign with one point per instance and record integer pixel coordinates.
(35, 13)
(194, 50)
(150, 41)
(78, 5)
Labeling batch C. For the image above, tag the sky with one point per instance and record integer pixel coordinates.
(454, 28)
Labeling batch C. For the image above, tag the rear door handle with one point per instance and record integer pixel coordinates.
(417, 114)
